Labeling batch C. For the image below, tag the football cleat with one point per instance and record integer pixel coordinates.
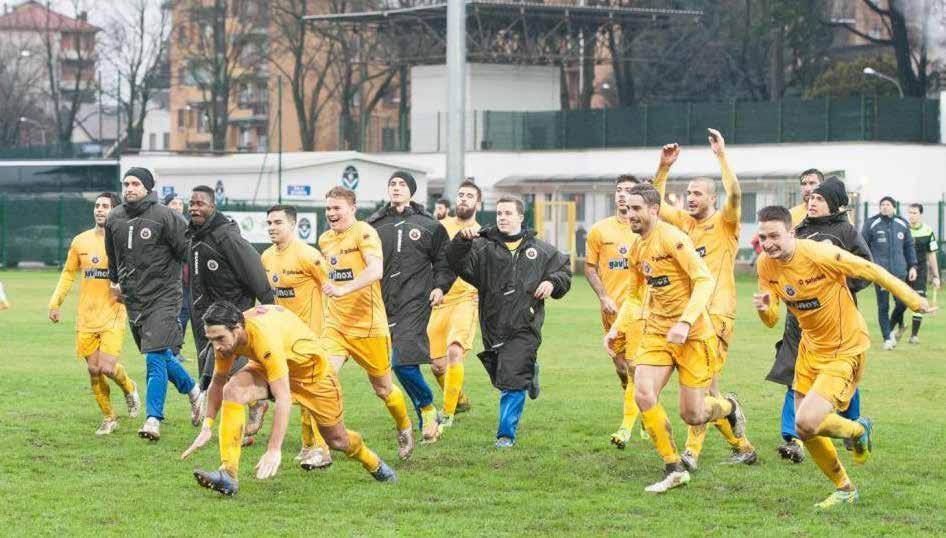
(405, 443)
(218, 480)
(838, 497)
(793, 451)
(749, 457)
(254, 420)
(133, 401)
(108, 426)
(889, 344)
(690, 460)
(864, 444)
(384, 473)
(674, 476)
(431, 432)
(505, 442)
(303, 454)
(737, 419)
(914, 339)
(463, 404)
(317, 458)
(151, 430)
(621, 438)
(248, 440)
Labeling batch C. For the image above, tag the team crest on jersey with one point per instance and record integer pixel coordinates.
(213, 265)
(646, 268)
(900, 236)
(532, 253)
(790, 290)
(622, 250)
(145, 233)
(275, 277)
(333, 260)
(95, 258)
(414, 234)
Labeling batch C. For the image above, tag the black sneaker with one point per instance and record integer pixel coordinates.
(218, 480)
(792, 451)
(534, 386)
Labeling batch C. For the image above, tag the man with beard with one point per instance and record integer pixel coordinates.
(442, 209)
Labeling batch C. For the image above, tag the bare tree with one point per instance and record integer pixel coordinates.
(135, 41)
(21, 71)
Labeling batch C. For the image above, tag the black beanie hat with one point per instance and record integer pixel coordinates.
(889, 199)
(408, 178)
(143, 175)
(834, 192)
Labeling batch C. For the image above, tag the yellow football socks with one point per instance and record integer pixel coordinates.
(657, 424)
(630, 407)
(453, 383)
(824, 454)
(232, 421)
(695, 437)
(310, 431)
(102, 392)
(358, 450)
(838, 427)
(395, 404)
(120, 377)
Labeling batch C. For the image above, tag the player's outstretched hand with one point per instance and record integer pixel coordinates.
(268, 464)
(609, 341)
(205, 434)
(761, 301)
(436, 297)
(925, 308)
(54, 315)
(717, 144)
(469, 234)
(544, 290)
(669, 154)
(608, 306)
(678, 333)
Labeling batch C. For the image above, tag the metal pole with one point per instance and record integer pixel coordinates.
(279, 135)
(456, 95)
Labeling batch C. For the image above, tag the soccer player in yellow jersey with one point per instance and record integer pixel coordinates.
(678, 333)
(810, 277)
(809, 181)
(715, 234)
(356, 324)
(100, 323)
(607, 246)
(287, 363)
(452, 325)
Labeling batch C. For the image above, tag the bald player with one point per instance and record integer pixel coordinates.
(715, 234)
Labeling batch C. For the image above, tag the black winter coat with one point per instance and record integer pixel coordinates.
(415, 263)
(839, 230)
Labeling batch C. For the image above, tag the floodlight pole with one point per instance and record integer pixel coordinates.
(456, 96)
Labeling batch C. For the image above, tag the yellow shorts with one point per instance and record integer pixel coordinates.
(373, 353)
(108, 341)
(620, 343)
(693, 360)
(321, 396)
(724, 329)
(833, 378)
(452, 324)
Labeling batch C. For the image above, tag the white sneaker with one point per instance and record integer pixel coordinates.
(914, 339)
(303, 454)
(671, 480)
(133, 401)
(405, 443)
(318, 458)
(151, 429)
(889, 344)
(108, 426)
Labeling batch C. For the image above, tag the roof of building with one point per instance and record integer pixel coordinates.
(251, 162)
(33, 15)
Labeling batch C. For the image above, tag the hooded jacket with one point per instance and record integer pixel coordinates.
(837, 229)
(891, 244)
(145, 244)
(415, 263)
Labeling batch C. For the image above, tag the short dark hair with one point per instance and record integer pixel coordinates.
(776, 213)
(919, 207)
(811, 171)
(444, 202)
(648, 193)
(223, 313)
(469, 184)
(112, 198)
(520, 207)
(342, 192)
(289, 210)
(204, 189)
(627, 178)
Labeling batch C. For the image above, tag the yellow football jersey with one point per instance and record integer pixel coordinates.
(98, 310)
(814, 288)
(799, 212)
(360, 314)
(679, 284)
(281, 342)
(608, 244)
(461, 289)
(296, 275)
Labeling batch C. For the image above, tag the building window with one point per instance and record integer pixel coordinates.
(152, 141)
(181, 119)
(579, 199)
(203, 121)
(167, 141)
(748, 207)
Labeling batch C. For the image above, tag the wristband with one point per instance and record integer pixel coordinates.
(208, 422)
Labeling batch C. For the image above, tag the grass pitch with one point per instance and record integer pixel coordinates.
(562, 478)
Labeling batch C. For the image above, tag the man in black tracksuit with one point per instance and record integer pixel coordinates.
(514, 273)
(223, 267)
(830, 223)
(145, 244)
(416, 277)
(891, 244)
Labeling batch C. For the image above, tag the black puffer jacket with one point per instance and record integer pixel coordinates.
(415, 263)
(838, 229)
(145, 244)
(507, 281)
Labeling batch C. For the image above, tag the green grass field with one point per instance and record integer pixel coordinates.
(563, 478)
